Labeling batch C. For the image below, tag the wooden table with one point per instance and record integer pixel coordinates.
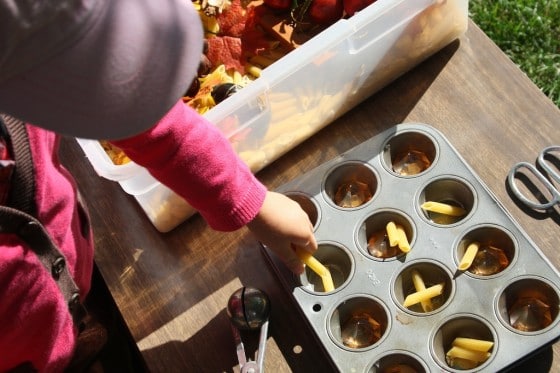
(172, 288)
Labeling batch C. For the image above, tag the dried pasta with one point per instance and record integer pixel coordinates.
(423, 295)
(463, 353)
(419, 285)
(322, 271)
(397, 236)
(253, 70)
(468, 257)
(473, 344)
(392, 233)
(404, 245)
(468, 353)
(443, 208)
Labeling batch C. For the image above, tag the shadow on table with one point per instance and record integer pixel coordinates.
(212, 347)
(540, 362)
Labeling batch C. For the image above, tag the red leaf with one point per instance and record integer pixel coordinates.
(226, 50)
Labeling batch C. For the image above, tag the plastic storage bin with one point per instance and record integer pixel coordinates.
(306, 90)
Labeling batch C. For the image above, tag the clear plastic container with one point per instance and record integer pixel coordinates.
(306, 90)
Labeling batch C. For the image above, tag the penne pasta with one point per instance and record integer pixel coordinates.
(419, 296)
(473, 344)
(468, 257)
(322, 271)
(468, 353)
(397, 236)
(237, 78)
(392, 233)
(463, 353)
(404, 245)
(443, 208)
(253, 70)
(419, 285)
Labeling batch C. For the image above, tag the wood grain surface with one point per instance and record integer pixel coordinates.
(172, 288)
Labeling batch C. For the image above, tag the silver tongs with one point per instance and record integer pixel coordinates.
(248, 309)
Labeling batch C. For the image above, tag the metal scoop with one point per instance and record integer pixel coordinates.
(248, 309)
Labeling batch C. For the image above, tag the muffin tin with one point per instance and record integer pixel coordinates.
(370, 291)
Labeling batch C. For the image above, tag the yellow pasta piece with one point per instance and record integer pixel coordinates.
(463, 353)
(253, 70)
(443, 208)
(392, 233)
(473, 344)
(237, 77)
(397, 236)
(322, 271)
(404, 245)
(419, 285)
(419, 296)
(468, 257)
(210, 24)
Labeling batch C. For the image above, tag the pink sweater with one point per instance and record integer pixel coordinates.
(184, 151)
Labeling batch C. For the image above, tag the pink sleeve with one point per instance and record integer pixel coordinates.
(191, 156)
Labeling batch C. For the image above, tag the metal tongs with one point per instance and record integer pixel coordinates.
(248, 309)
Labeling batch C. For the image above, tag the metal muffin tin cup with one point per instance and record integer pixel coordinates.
(432, 273)
(362, 325)
(462, 325)
(337, 260)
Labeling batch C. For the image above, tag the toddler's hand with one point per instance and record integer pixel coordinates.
(282, 224)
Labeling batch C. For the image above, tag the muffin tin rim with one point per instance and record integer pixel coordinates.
(362, 154)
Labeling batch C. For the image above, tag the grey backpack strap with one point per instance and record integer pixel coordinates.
(19, 218)
(22, 197)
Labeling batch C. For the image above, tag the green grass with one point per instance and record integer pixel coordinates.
(528, 31)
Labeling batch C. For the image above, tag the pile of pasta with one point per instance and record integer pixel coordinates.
(468, 353)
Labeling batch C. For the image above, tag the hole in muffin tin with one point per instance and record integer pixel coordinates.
(358, 323)
(398, 361)
(371, 235)
(448, 191)
(350, 185)
(307, 205)
(497, 250)
(528, 305)
(462, 326)
(336, 259)
(431, 274)
(409, 154)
